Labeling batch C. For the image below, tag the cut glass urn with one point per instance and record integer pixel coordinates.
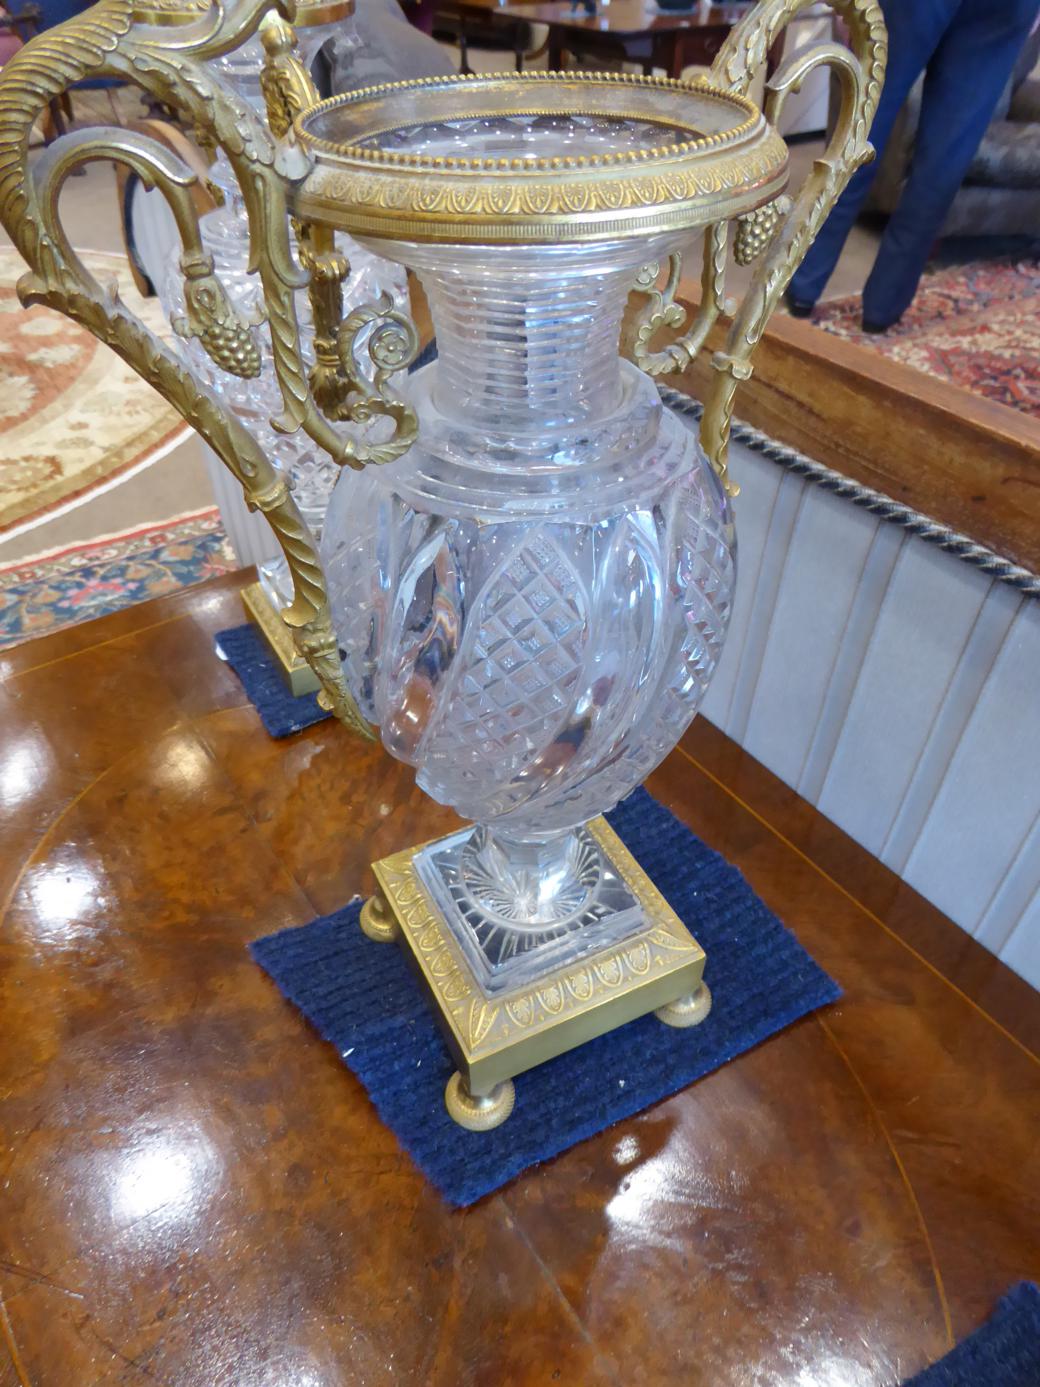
(527, 564)
(530, 602)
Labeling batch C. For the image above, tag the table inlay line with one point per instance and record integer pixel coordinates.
(821, 871)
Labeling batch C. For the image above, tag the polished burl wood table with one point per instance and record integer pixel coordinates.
(194, 1191)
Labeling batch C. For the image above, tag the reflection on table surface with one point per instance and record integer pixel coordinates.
(197, 1192)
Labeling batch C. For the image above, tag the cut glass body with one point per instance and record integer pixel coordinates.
(532, 600)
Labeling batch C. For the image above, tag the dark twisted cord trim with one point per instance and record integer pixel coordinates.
(950, 541)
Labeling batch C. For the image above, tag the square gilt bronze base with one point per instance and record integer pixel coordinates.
(297, 673)
(492, 1039)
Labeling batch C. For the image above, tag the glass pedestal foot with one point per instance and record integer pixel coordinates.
(478, 1112)
(520, 911)
(689, 1010)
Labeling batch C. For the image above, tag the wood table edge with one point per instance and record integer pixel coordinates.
(963, 460)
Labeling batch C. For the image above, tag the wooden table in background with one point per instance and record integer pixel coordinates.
(195, 1191)
(631, 30)
(621, 30)
(469, 20)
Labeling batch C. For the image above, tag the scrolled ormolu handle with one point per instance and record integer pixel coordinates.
(778, 234)
(781, 236)
(105, 41)
(338, 380)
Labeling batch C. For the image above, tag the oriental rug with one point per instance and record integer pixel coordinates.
(975, 325)
(74, 417)
(64, 586)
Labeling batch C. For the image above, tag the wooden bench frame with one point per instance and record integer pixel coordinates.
(963, 460)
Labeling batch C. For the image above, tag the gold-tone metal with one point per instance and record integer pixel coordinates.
(660, 311)
(391, 342)
(860, 74)
(296, 672)
(689, 1010)
(108, 41)
(285, 82)
(378, 921)
(338, 381)
(328, 269)
(478, 1112)
(288, 90)
(493, 1039)
(209, 316)
(324, 12)
(780, 230)
(756, 229)
(726, 160)
(168, 14)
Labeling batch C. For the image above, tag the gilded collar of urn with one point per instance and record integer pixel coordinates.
(656, 155)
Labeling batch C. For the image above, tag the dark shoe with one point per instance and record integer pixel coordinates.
(869, 325)
(798, 308)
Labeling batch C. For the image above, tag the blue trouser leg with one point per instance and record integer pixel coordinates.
(914, 29)
(964, 81)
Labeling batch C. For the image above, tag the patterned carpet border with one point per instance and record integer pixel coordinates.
(62, 587)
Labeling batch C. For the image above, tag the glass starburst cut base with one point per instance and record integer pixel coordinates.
(510, 996)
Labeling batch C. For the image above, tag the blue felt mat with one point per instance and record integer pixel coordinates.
(363, 999)
(1005, 1352)
(249, 655)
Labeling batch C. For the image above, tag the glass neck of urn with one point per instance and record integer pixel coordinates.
(527, 336)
